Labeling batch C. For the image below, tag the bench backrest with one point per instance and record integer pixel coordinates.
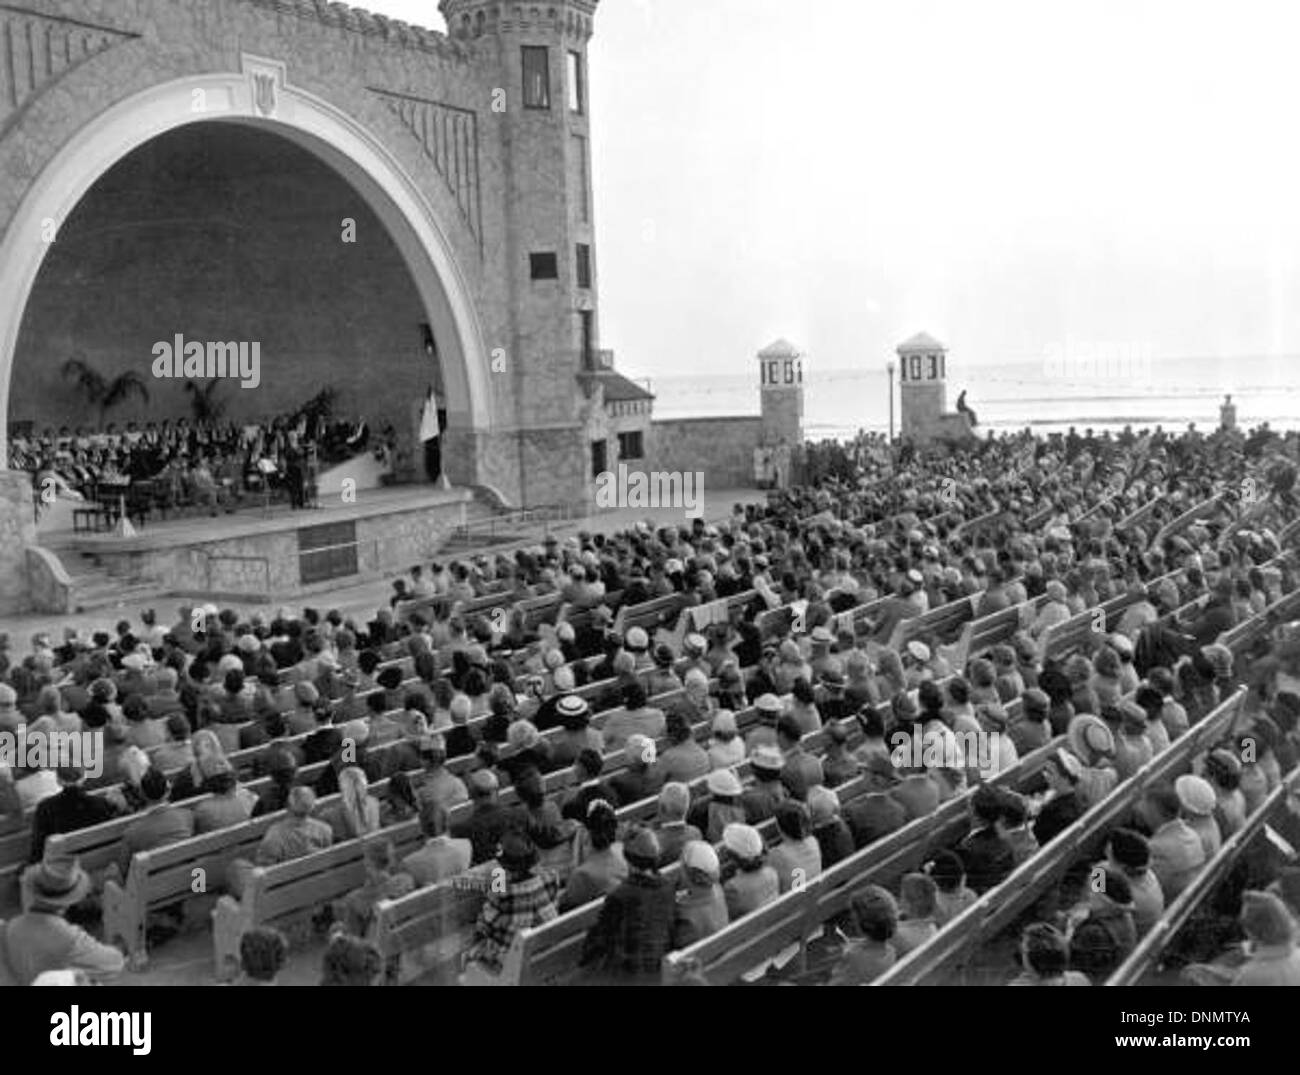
(1149, 949)
(941, 958)
(942, 622)
(289, 888)
(726, 955)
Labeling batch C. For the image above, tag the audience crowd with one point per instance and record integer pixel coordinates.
(498, 703)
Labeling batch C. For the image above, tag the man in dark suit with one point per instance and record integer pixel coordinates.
(1064, 807)
(325, 740)
(488, 819)
(71, 809)
(639, 921)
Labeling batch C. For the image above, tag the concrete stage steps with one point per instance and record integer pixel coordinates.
(93, 588)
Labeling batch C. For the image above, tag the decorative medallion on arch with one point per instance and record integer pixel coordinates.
(36, 49)
(266, 81)
(449, 137)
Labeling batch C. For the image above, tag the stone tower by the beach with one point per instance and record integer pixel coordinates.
(781, 378)
(922, 386)
(531, 61)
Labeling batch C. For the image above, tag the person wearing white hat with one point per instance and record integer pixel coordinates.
(726, 748)
(1197, 798)
(753, 882)
(914, 592)
(637, 643)
(767, 792)
(701, 901)
(1177, 853)
(1055, 609)
(712, 813)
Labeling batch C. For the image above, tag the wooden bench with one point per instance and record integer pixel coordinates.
(797, 916)
(650, 615)
(1136, 518)
(983, 634)
(943, 623)
(539, 610)
(293, 890)
(416, 920)
(941, 959)
(1189, 517)
(436, 921)
(1146, 956)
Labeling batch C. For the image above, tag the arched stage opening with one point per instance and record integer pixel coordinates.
(275, 251)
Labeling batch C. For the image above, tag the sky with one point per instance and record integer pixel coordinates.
(1017, 178)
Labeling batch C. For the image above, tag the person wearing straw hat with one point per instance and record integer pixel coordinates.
(42, 939)
(1093, 744)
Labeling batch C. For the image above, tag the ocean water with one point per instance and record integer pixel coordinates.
(1045, 396)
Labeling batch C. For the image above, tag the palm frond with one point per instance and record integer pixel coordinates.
(89, 381)
(122, 387)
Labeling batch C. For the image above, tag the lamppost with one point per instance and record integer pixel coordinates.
(890, 367)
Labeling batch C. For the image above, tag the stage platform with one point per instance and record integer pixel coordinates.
(278, 554)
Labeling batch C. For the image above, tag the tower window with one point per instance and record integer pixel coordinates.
(587, 321)
(580, 177)
(630, 445)
(584, 265)
(544, 266)
(577, 84)
(537, 76)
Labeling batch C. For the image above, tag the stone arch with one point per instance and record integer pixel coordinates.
(353, 151)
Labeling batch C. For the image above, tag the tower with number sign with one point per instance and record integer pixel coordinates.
(923, 393)
(781, 381)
